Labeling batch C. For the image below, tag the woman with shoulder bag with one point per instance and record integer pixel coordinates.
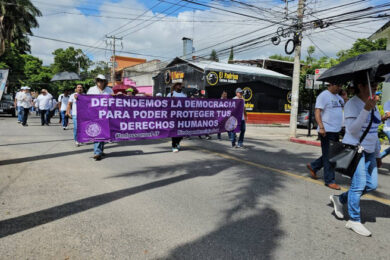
(361, 113)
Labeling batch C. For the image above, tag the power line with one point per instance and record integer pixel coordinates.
(89, 46)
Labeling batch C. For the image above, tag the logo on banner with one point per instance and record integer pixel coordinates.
(93, 130)
(231, 124)
(212, 78)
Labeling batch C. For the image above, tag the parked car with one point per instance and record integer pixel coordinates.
(303, 119)
(7, 105)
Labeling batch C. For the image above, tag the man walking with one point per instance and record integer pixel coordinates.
(62, 105)
(223, 96)
(329, 117)
(100, 89)
(232, 135)
(176, 92)
(18, 104)
(43, 103)
(26, 103)
(71, 110)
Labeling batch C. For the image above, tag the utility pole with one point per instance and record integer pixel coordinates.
(297, 71)
(113, 38)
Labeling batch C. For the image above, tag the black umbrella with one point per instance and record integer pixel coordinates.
(377, 63)
(63, 76)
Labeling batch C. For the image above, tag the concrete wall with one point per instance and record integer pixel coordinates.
(143, 73)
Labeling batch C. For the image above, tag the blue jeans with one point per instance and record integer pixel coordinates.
(20, 110)
(74, 118)
(98, 148)
(364, 180)
(387, 151)
(233, 136)
(323, 161)
(64, 118)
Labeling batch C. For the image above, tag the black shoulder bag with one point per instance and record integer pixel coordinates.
(344, 158)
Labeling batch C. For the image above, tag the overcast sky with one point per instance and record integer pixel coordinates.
(153, 29)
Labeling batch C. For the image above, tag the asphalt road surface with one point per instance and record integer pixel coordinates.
(142, 201)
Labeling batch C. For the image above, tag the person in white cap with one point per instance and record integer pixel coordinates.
(100, 89)
(232, 135)
(18, 104)
(26, 103)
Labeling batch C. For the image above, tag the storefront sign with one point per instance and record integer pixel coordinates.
(215, 77)
(177, 76)
(121, 118)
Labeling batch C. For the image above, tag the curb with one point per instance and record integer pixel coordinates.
(307, 142)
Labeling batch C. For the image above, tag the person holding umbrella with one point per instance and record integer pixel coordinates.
(361, 111)
(101, 88)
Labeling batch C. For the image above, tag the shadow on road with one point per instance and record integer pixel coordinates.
(371, 209)
(38, 142)
(254, 237)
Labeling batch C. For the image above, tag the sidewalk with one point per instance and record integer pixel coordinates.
(281, 132)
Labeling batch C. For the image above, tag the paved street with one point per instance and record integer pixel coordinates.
(142, 201)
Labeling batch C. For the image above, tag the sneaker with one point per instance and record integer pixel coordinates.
(25, 125)
(358, 228)
(239, 146)
(233, 145)
(77, 144)
(208, 137)
(337, 205)
(97, 157)
(64, 128)
(19, 122)
(175, 150)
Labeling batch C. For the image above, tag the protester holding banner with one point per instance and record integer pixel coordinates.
(232, 135)
(18, 104)
(223, 96)
(176, 91)
(71, 110)
(26, 103)
(100, 89)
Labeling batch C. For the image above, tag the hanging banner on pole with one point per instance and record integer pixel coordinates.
(3, 81)
(120, 118)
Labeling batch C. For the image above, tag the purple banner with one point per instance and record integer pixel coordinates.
(121, 118)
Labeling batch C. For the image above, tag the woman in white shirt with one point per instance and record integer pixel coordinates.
(358, 113)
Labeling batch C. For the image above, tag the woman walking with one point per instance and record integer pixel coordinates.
(360, 113)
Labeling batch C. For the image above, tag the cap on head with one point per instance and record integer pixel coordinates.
(129, 90)
(101, 77)
(158, 95)
(239, 90)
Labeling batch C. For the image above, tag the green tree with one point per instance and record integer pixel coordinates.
(361, 46)
(36, 75)
(13, 60)
(70, 60)
(214, 56)
(231, 56)
(310, 50)
(17, 19)
(281, 57)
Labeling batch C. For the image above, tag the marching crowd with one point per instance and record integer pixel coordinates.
(333, 111)
(361, 118)
(46, 105)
